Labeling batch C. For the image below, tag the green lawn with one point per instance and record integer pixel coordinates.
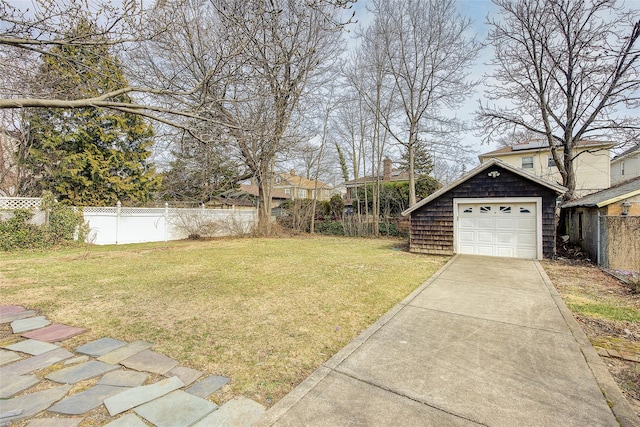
(265, 312)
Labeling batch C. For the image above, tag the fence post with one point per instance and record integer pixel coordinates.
(166, 221)
(118, 210)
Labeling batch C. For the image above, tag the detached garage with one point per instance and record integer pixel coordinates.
(494, 210)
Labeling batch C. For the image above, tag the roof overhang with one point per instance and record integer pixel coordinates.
(618, 198)
(559, 189)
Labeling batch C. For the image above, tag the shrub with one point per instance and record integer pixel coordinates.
(17, 233)
(64, 226)
(333, 228)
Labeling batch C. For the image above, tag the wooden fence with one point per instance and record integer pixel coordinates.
(620, 242)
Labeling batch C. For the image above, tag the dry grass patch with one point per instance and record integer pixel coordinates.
(265, 312)
(609, 313)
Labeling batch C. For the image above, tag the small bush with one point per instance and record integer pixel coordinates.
(64, 224)
(332, 228)
(17, 233)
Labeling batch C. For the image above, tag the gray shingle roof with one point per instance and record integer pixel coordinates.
(610, 195)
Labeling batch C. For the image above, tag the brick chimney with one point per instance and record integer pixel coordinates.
(387, 168)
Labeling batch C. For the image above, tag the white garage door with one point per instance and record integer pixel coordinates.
(497, 229)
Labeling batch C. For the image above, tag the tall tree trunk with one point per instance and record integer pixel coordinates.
(264, 202)
(412, 179)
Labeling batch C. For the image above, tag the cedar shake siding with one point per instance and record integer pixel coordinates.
(431, 228)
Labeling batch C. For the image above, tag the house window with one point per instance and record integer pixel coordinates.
(287, 191)
(551, 162)
(622, 168)
(527, 163)
(302, 194)
(326, 193)
(278, 180)
(485, 209)
(505, 209)
(524, 211)
(468, 210)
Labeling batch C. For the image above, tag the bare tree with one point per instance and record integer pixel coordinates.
(367, 75)
(226, 71)
(283, 45)
(27, 34)
(427, 53)
(569, 68)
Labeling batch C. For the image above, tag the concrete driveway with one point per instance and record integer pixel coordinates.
(486, 341)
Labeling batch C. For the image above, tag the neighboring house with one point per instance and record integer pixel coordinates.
(626, 165)
(246, 196)
(388, 175)
(592, 165)
(606, 225)
(496, 209)
(298, 187)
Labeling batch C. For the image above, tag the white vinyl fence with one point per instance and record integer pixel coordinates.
(137, 225)
(8, 204)
(120, 225)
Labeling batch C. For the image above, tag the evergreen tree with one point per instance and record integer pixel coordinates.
(89, 156)
(199, 172)
(423, 161)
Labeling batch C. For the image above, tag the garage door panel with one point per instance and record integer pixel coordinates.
(467, 222)
(505, 252)
(485, 250)
(526, 253)
(505, 224)
(526, 239)
(485, 237)
(467, 250)
(527, 224)
(466, 236)
(505, 238)
(497, 229)
(484, 224)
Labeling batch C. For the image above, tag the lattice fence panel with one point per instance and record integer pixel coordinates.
(11, 203)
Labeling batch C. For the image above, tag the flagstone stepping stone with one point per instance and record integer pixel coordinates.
(123, 378)
(137, 396)
(35, 363)
(206, 387)
(10, 317)
(8, 357)
(100, 347)
(122, 353)
(29, 324)
(84, 371)
(29, 405)
(129, 420)
(55, 422)
(239, 412)
(54, 333)
(150, 361)
(187, 375)
(14, 384)
(33, 347)
(85, 401)
(79, 359)
(175, 409)
(10, 309)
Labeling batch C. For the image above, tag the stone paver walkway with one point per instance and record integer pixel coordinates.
(37, 378)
